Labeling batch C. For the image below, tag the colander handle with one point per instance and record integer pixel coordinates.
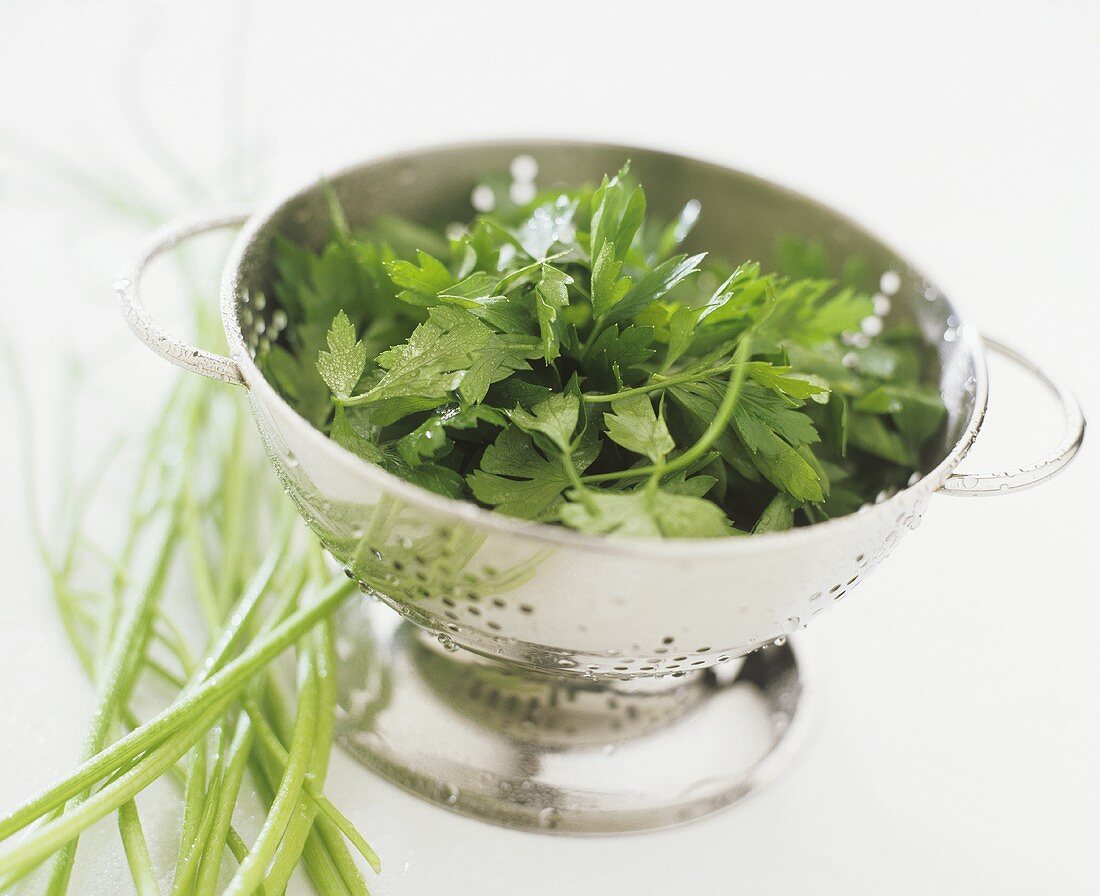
(146, 329)
(980, 485)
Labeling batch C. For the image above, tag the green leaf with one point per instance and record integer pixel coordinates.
(433, 360)
(869, 433)
(644, 514)
(551, 295)
(421, 282)
(778, 516)
(499, 359)
(451, 351)
(555, 417)
(428, 441)
(762, 418)
(343, 364)
(795, 386)
(504, 324)
(344, 432)
(617, 214)
(636, 427)
(616, 353)
(517, 480)
(654, 285)
(681, 332)
(788, 470)
(608, 288)
(917, 413)
(547, 225)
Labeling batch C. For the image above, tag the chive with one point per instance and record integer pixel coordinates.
(137, 850)
(211, 855)
(214, 691)
(114, 692)
(52, 836)
(251, 870)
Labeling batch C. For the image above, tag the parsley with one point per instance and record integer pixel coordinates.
(564, 361)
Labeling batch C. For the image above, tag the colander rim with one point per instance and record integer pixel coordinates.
(467, 512)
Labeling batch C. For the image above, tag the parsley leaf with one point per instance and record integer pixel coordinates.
(343, 364)
(636, 427)
(645, 514)
(556, 360)
(551, 295)
(555, 418)
(517, 480)
(420, 282)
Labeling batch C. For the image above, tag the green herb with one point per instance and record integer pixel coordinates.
(228, 736)
(563, 361)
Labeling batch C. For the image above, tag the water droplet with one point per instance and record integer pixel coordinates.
(871, 325)
(779, 642)
(881, 305)
(890, 282)
(549, 818)
(524, 168)
(483, 199)
(291, 459)
(608, 749)
(122, 283)
(792, 624)
(449, 793)
(522, 192)
(446, 641)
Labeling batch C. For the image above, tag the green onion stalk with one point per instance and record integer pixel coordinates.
(209, 536)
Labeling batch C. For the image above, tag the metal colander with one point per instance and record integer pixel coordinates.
(561, 623)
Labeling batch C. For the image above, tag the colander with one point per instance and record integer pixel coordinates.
(535, 676)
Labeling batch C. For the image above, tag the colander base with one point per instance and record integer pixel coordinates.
(547, 753)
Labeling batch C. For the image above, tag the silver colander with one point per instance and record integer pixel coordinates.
(602, 684)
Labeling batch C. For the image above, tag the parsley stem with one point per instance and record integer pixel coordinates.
(576, 478)
(660, 382)
(712, 432)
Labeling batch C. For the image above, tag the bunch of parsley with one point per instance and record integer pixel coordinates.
(561, 361)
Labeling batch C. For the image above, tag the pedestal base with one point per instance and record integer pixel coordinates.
(548, 753)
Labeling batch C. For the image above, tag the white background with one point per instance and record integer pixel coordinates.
(957, 738)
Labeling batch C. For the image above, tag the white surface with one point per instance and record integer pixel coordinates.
(956, 744)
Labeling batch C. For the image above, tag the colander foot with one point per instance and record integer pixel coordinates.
(565, 755)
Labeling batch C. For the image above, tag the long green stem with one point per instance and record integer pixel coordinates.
(251, 871)
(661, 382)
(276, 752)
(211, 856)
(23, 857)
(137, 850)
(214, 691)
(123, 664)
(714, 429)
